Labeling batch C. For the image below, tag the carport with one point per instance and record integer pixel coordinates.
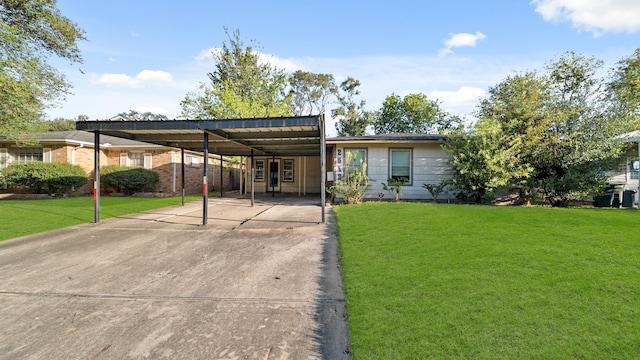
(283, 136)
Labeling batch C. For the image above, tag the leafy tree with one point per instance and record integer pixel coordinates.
(240, 86)
(352, 118)
(58, 124)
(310, 92)
(412, 114)
(30, 33)
(551, 134)
(624, 89)
(147, 115)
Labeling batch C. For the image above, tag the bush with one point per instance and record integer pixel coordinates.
(128, 180)
(44, 178)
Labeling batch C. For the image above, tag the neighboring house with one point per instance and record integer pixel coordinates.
(416, 157)
(77, 147)
(627, 177)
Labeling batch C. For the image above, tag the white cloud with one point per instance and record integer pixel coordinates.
(465, 96)
(461, 39)
(596, 16)
(144, 77)
(288, 65)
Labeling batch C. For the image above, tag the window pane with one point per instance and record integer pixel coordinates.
(26, 155)
(634, 166)
(287, 170)
(136, 159)
(401, 164)
(355, 159)
(259, 169)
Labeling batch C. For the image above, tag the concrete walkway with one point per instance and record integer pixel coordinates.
(257, 282)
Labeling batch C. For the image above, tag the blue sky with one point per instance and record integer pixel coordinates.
(147, 55)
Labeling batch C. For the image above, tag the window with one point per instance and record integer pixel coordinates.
(634, 167)
(136, 159)
(27, 155)
(400, 164)
(287, 170)
(4, 158)
(259, 170)
(355, 159)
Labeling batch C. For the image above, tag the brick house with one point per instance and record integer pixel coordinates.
(77, 147)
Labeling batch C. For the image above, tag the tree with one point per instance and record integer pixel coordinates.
(412, 114)
(310, 92)
(580, 143)
(624, 89)
(240, 86)
(30, 33)
(147, 115)
(550, 134)
(352, 118)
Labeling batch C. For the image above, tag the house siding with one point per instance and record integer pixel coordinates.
(429, 164)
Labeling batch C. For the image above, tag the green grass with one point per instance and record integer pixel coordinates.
(25, 217)
(478, 282)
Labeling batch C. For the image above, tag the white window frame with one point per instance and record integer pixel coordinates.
(391, 175)
(259, 175)
(4, 158)
(46, 155)
(147, 159)
(634, 166)
(287, 170)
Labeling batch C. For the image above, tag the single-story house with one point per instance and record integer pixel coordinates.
(77, 147)
(418, 158)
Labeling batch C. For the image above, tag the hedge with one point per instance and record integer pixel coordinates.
(128, 180)
(44, 178)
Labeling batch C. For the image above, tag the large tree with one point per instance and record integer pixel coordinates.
(352, 118)
(551, 134)
(414, 113)
(310, 92)
(624, 89)
(240, 86)
(31, 32)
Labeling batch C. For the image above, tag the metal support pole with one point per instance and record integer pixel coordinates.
(273, 184)
(221, 177)
(253, 176)
(182, 174)
(323, 159)
(96, 176)
(638, 193)
(205, 189)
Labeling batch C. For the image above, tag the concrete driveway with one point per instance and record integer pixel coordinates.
(257, 282)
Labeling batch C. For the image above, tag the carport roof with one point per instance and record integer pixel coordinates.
(283, 136)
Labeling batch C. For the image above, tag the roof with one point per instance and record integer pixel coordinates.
(86, 138)
(394, 137)
(633, 136)
(283, 136)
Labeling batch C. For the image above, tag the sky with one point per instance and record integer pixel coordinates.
(146, 55)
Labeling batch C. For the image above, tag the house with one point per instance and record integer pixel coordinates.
(418, 158)
(626, 180)
(77, 147)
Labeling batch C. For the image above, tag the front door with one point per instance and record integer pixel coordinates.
(274, 175)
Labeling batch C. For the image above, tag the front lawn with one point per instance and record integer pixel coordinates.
(25, 217)
(477, 282)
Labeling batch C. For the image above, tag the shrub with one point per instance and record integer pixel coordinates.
(395, 185)
(436, 189)
(354, 185)
(128, 180)
(42, 178)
